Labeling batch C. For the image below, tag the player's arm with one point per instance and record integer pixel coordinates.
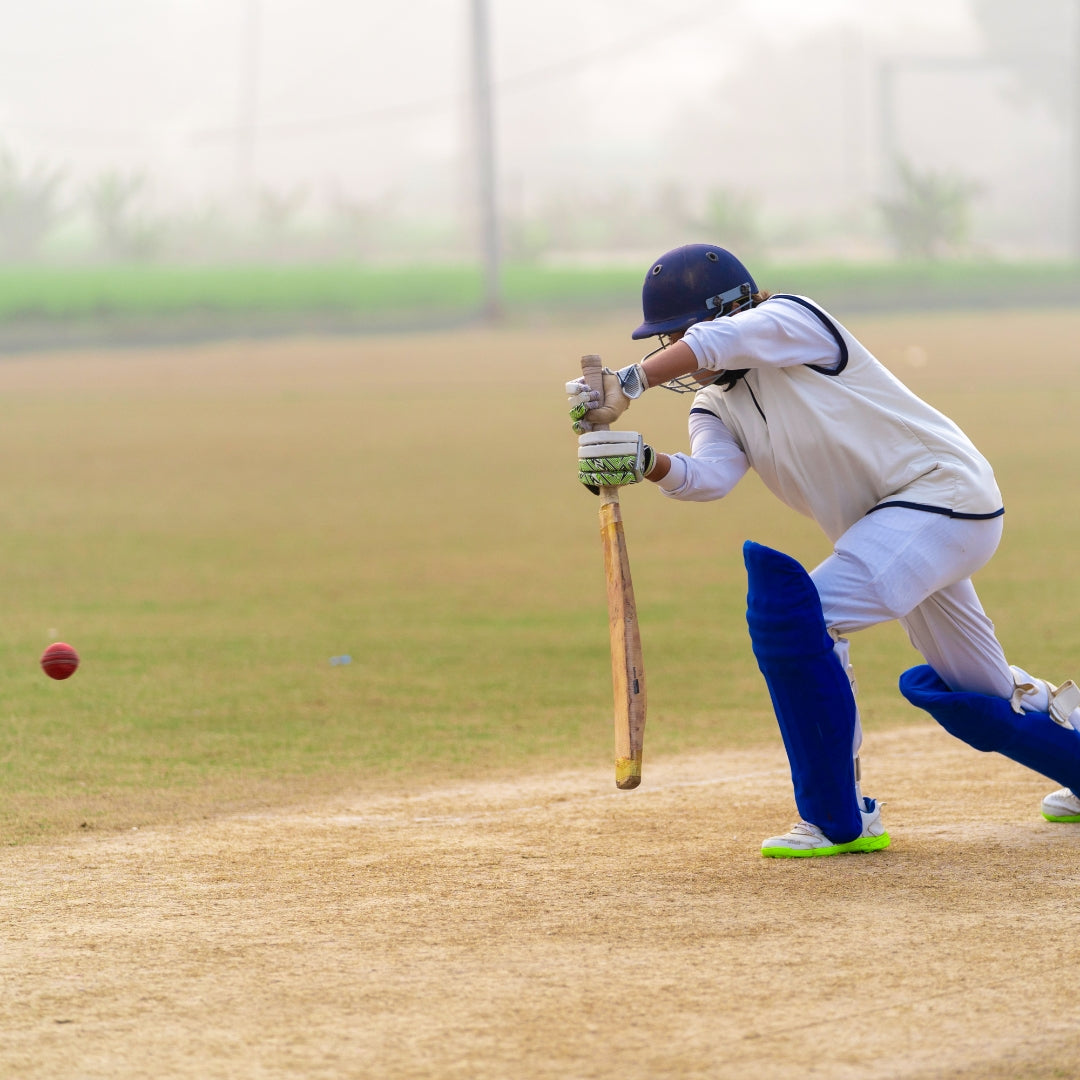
(670, 363)
(715, 464)
(781, 334)
(778, 334)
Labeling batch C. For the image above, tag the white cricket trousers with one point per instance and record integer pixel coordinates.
(916, 567)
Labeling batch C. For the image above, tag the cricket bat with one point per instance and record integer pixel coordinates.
(627, 669)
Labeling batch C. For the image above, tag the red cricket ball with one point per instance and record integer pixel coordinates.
(59, 660)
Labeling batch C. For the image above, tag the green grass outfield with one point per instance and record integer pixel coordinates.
(183, 299)
(210, 525)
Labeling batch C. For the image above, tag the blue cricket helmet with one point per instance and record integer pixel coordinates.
(690, 284)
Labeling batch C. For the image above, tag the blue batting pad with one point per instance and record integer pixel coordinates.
(989, 723)
(810, 691)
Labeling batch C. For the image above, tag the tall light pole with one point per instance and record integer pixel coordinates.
(483, 135)
(886, 109)
(1075, 134)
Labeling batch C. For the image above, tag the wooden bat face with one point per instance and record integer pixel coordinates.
(627, 667)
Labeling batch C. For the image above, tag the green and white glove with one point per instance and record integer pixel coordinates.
(590, 408)
(613, 458)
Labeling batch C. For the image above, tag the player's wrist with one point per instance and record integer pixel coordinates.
(633, 380)
(648, 460)
(658, 466)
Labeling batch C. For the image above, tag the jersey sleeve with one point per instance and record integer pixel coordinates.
(715, 464)
(778, 333)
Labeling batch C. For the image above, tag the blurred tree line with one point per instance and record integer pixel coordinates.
(46, 217)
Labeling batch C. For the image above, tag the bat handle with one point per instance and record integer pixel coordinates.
(592, 368)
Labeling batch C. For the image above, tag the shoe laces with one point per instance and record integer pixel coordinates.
(805, 828)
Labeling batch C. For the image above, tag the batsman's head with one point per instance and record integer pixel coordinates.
(691, 284)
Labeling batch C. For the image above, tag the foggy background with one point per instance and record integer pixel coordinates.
(328, 130)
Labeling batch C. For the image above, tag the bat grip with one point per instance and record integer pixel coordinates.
(592, 368)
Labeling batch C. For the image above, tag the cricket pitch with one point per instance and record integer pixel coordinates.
(558, 928)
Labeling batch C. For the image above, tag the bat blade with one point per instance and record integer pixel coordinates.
(627, 667)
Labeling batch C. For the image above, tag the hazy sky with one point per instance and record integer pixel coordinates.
(350, 92)
(370, 99)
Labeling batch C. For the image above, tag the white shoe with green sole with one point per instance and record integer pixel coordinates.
(805, 840)
(1061, 805)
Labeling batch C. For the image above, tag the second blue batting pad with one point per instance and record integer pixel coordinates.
(810, 691)
(989, 723)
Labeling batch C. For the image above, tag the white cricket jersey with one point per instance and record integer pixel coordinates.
(825, 425)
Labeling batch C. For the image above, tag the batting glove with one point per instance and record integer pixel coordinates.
(613, 459)
(590, 408)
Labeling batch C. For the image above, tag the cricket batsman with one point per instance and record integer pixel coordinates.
(909, 504)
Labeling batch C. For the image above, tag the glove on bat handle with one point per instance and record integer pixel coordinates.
(592, 368)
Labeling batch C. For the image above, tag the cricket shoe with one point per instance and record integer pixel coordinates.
(1061, 805)
(807, 841)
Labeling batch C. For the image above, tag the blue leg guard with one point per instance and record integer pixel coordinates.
(809, 689)
(989, 723)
